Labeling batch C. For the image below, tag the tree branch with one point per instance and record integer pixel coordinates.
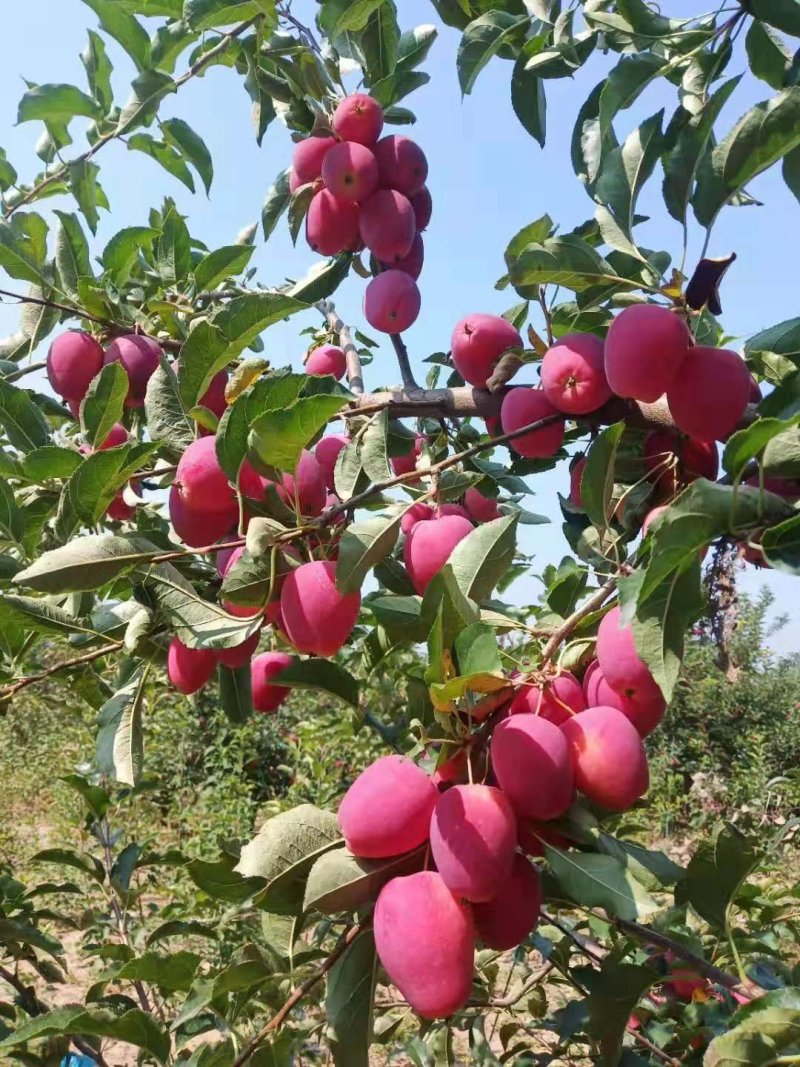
(595, 601)
(279, 1018)
(71, 310)
(342, 330)
(61, 172)
(399, 345)
(10, 690)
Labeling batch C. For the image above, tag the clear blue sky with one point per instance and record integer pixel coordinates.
(487, 177)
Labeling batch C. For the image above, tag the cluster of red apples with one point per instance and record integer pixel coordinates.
(557, 736)
(368, 192)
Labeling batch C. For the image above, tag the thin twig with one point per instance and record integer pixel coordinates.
(279, 1018)
(70, 309)
(595, 601)
(78, 661)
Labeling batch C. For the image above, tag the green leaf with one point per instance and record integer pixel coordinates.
(124, 28)
(375, 448)
(192, 147)
(171, 973)
(597, 482)
(614, 993)
(761, 137)
(86, 496)
(120, 745)
(133, 1026)
(750, 442)
(56, 103)
(167, 421)
(37, 615)
(528, 96)
(208, 14)
(11, 518)
(21, 419)
(20, 255)
(198, 623)
(246, 317)
(324, 676)
(782, 339)
(104, 403)
(757, 1042)
(173, 248)
(85, 563)
(445, 612)
(322, 279)
(349, 999)
(278, 437)
(482, 558)
(8, 176)
(222, 263)
(400, 616)
(283, 852)
(72, 254)
(681, 163)
(340, 881)
(165, 155)
(768, 56)
(378, 42)
(781, 545)
(123, 250)
(363, 545)
(782, 14)
(219, 879)
(204, 353)
(482, 39)
(600, 881)
(336, 19)
(98, 70)
(79, 861)
(276, 203)
(566, 261)
(715, 873)
(82, 181)
(626, 169)
(653, 869)
(414, 45)
(624, 84)
(235, 695)
(476, 650)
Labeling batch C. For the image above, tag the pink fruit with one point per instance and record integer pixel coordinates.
(573, 374)
(214, 397)
(645, 708)
(416, 513)
(308, 157)
(317, 618)
(708, 397)
(481, 508)
(295, 182)
(189, 669)
(223, 554)
(522, 406)
(450, 509)
(425, 940)
(619, 661)
(305, 487)
(241, 611)
(327, 359)
(199, 528)
(139, 357)
(556, 699)
(119, 510)
(477, 344)
(505, 921)
(73, 360)
(575, 478)
(266, 696)
(241, 654)
(327, 452)
(407, 463)
(473, 837)
(531, 760)
(423, 208)
(386, 225)
(387, 810)
(608, 756)
(401, 164)
(204, 485)
(651, 516)
(331, 224)
(429, 545)
(116, 436)
(392, 302)
(411, 264)
(358, 118)
(350, 171)
(644, 350)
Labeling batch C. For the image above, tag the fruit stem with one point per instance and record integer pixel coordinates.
(399, 345)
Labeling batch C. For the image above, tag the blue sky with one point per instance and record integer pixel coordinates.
(487, 177)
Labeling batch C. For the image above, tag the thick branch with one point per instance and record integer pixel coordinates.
(196, 68)
(279, 1018)
(342, 330)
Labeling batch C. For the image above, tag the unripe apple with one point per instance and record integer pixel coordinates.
(531, 761)
(189, 669)
(401, 164)
(198, 528)
(405, 464)
(327, 359)
(73, 360)
(386, 225)
(308, 157)
(504, 922)
(619, 661)
(392, 302)
(608, 756)
(425, 940)
(419, 512)
(554, 699)
(481, 508)
(139, 357)
(573, 374)
(350, 171)
(524, 405)
(477, 344)
(473, 839)
(575, 478)
(645, 707)
(358, 118)
(317, 618)
(645, 348)
(306, 487)
(327, 451)
(387, 810)
(331, 224)
(423, 208)
(268, 697)
(240, 655)
(411, 263)
(708, 397)
(115, 437)
(429, 545)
